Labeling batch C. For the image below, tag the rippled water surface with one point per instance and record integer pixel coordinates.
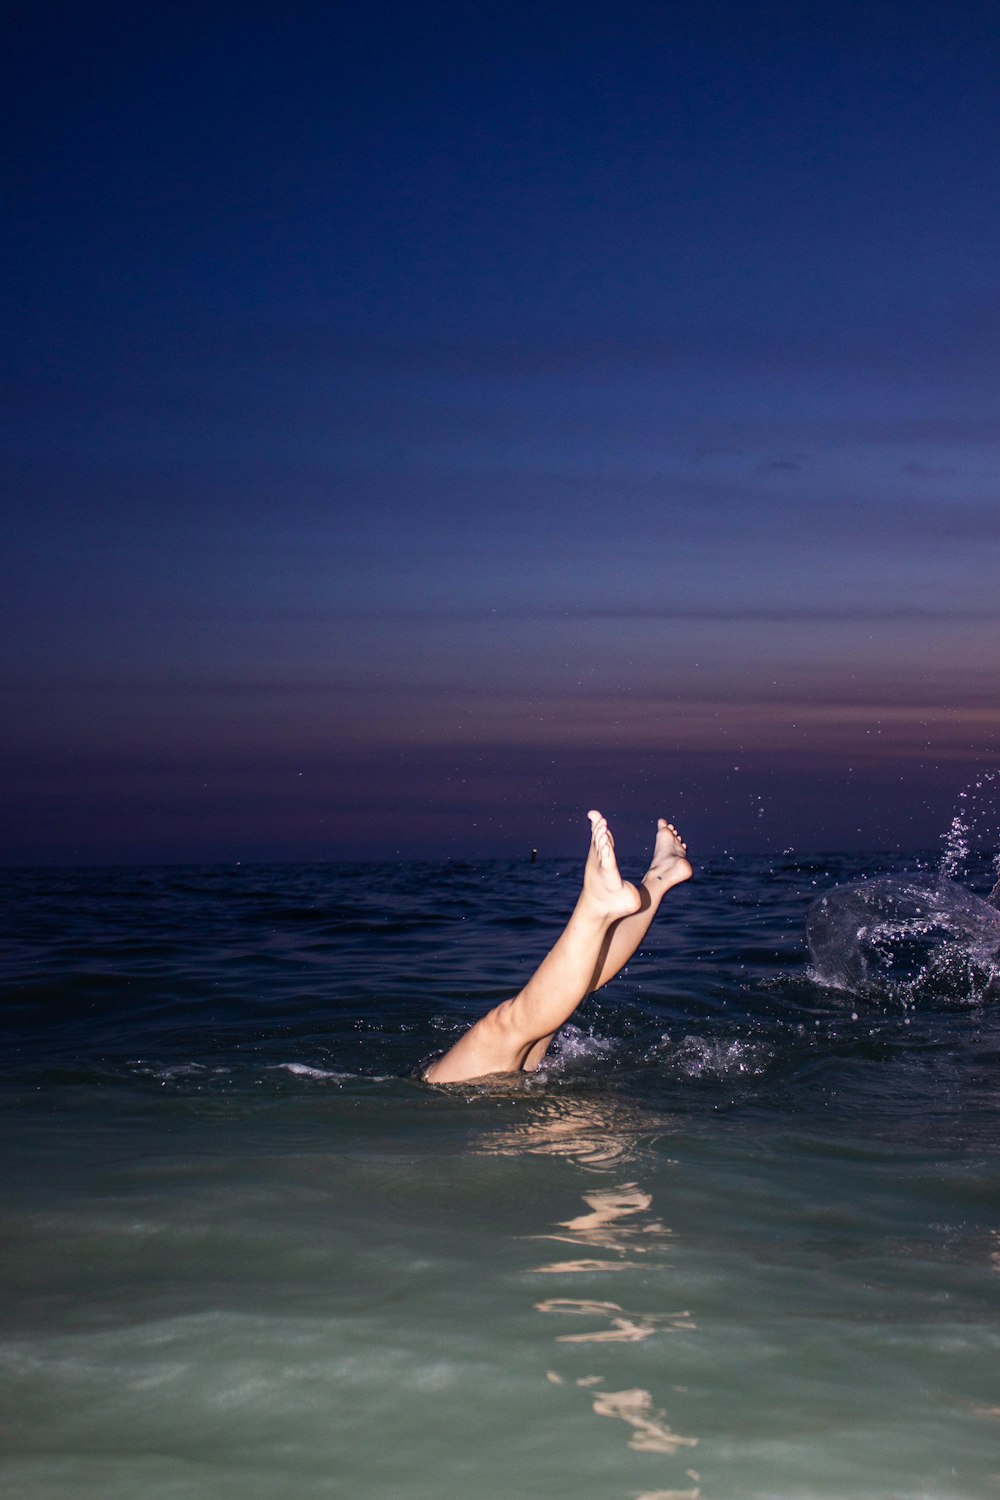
(740, 1239)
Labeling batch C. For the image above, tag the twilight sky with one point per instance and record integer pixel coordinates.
(424, 421)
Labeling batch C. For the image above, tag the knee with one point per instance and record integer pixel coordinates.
(502, 1019)
(508, 1027)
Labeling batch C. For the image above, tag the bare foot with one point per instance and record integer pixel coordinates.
(668, 866)
(603, 887)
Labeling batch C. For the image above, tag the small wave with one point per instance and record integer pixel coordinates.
(167, 1074)
(302, 1070)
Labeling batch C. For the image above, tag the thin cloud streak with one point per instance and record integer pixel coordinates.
(709, 614)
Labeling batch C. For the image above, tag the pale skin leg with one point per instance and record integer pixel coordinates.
(668, 867)
(608, 923)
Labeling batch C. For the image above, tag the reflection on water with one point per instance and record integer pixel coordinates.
(600, 1229)
(567, 1267)
(593, 1133)
(624, 1327)
(607, 1206)
(671, 1494)
(650, 1431)
(618, 1222)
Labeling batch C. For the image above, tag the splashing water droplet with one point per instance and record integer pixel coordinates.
(956, 849)
(976, 825)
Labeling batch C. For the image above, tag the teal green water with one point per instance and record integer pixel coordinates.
(734, 1245)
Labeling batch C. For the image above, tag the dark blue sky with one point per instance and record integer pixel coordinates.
(422, 422)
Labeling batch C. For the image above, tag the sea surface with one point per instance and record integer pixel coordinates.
(739, 1239)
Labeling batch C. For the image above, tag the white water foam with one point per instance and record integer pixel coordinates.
(573, 1044)
(303, 1070)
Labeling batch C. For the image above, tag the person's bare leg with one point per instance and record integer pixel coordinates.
(668, 867)
(502, 1041)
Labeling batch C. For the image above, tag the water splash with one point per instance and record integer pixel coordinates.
(907, 936)
(705, 1057)
(976, 824)
(956, 848)
(572, 1044)
(916, 936)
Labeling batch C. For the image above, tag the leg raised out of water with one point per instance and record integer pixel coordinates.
(667, 868)
(515, 1034)
(501, 1041)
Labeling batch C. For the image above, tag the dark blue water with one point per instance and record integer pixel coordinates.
(740, 1237)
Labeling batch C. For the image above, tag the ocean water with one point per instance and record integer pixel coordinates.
(739, 1239)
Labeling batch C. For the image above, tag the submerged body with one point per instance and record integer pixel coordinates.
(609, 921)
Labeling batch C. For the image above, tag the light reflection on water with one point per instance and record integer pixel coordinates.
(593, 1133)
(619, 1223)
